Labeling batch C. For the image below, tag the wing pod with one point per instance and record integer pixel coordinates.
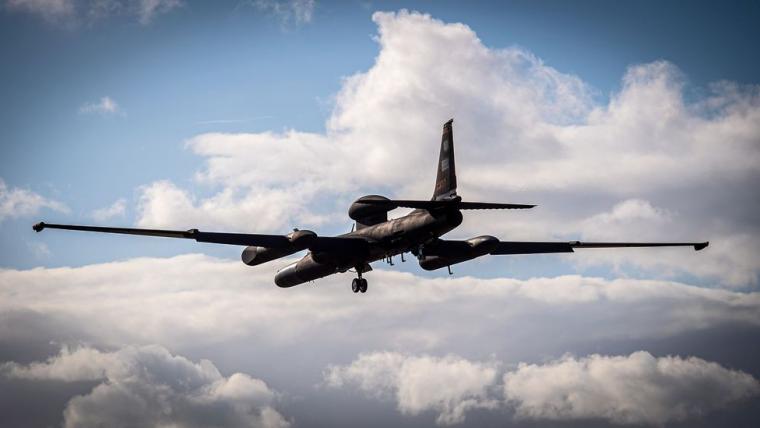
(446, 253)
(299, 240)
(304, 270)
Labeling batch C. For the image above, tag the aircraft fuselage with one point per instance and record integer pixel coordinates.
(386, 239)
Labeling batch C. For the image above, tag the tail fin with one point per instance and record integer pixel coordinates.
(446, 181)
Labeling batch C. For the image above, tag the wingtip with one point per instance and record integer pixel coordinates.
(39, 226)
(701, 246)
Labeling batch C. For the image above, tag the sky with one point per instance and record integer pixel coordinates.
(621, 121)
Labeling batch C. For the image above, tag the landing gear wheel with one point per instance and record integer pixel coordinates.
(355, 285)
(362, 285)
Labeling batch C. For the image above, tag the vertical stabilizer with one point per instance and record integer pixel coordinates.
(446, 181)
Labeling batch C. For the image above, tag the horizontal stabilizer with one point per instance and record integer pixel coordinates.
(445, 204)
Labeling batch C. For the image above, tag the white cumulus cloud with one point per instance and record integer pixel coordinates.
(449, 386)
(117, 209)
(148, 386)
(634, 389)
(17, 202)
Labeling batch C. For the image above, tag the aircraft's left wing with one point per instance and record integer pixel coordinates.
(518, 247)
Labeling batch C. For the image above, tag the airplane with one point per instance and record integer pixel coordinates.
(375, 237)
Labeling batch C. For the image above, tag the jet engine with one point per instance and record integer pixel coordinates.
(366, 214)
(443, 253)
(299, 240)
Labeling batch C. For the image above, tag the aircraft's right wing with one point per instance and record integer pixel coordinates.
(518, 247)
(300, 239)
(271, 241)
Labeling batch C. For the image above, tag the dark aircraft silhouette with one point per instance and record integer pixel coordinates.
(377, 238)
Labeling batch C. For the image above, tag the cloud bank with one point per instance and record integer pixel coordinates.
(634, 389)
(148, 386)
(199, 296)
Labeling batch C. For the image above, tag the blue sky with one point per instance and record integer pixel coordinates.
(236, 68)
(622, 121)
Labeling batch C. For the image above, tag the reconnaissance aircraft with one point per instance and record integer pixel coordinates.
(376, 237)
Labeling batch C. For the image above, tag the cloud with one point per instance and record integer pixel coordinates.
(39, 249)
(206, 306)
(204, 297)
(16, 202)
(289, 12)
(648, 162)
(633, 389)
(730, 254)
(53, 11)
(106, 105)
(450, 385)
(147, 10)
(259, 208)
(74, 13)
(148, 386)
(117, 209)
